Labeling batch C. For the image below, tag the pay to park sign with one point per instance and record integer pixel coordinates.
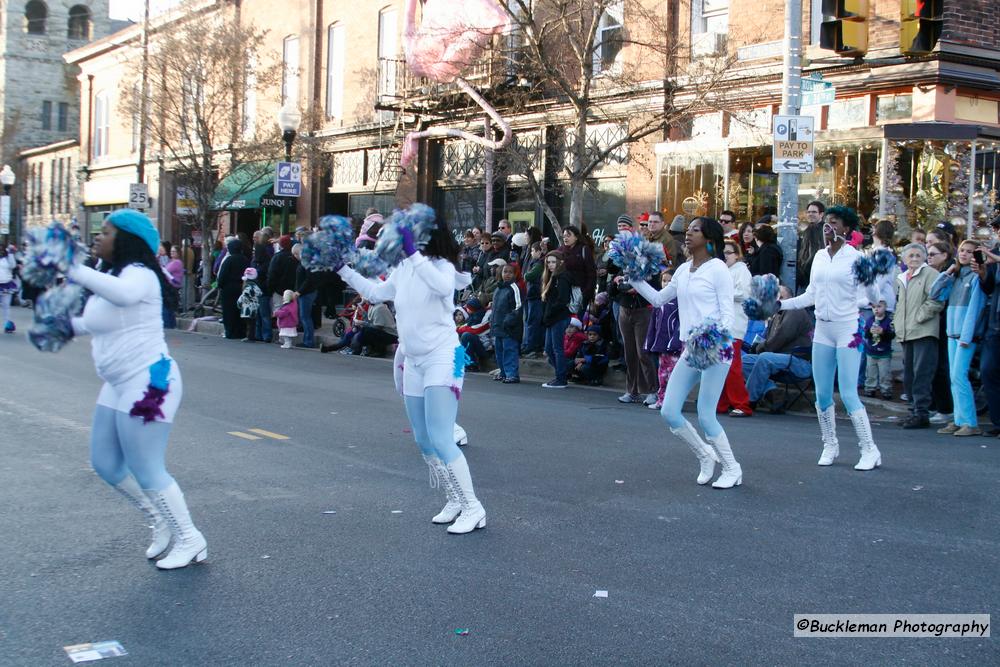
(793, 145)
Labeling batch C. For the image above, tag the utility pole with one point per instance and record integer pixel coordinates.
(788, 184)
(143, 98)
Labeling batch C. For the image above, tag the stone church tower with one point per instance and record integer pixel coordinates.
(39, 93)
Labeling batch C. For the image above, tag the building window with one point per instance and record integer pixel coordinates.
(78, 26)
(35, 16)
(46, 115)
(290, 74)
(608, 40)
(335, 71)
(709, 16)
(63, 123)
(388, 51)
(102, 125)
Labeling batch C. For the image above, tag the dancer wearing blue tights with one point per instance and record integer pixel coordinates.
(838, 299)
(703, 288)
(142, 384)
(430, 364)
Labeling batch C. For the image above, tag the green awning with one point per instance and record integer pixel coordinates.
(249, 186)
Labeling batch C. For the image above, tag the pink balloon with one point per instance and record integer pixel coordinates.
(451, 36)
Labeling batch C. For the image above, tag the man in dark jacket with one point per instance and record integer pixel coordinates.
(786, 347)
(811, 241)
(507, 325)
(263, 251)
(634, 313)
(230, 281)
(989, 282)
(281, 270)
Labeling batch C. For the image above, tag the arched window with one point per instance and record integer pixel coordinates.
(35, 15)
(79, 23)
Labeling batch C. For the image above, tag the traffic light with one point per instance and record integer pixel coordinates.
(919, 25)
(845, 27)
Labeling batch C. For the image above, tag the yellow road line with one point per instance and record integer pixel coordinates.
(245, 436)
(268, 434)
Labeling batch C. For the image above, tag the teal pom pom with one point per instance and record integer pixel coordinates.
(763, 300)
(54, 310)
(50, 251)
(708, 344)
(369, 264)
(159, 374)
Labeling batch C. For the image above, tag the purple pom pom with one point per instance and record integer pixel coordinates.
(148, 407)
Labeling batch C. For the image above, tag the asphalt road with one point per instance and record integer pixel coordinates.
(582, 494)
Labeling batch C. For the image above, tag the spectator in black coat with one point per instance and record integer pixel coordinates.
(767, 258)
(230, 281)
(281, 271)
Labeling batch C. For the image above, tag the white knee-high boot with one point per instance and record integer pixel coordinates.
(732, 473)
(871, 457)
(706, 455)
(473, 514)
(130, 488)
(828, 431)
(189, 543)
(439, 478)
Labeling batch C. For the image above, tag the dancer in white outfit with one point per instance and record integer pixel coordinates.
(422, 288)
(838, 299)
(142, 384)
(703, 288)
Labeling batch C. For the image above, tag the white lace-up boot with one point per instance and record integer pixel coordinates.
(473, 514)
(189, 543)
(129, 488)
(706, 455)
(828, 431)
(871, 457)
(439, 478)
(732, 473)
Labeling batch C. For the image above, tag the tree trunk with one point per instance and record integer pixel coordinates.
(577, 190)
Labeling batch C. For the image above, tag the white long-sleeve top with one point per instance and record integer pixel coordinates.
(7, 265)
(832, 288)
(423, 292)
(125, 318)
(741, 290)
(705, 294)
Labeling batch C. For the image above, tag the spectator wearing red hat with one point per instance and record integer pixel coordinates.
(573, 338)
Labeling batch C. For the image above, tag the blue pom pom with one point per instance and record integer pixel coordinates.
(419, 218)
(638, 258)
(50, 251)
(708, 344)
(369, 264)
(331, 246)
(159, 374)
(864, 270)
(763, 301)
(54, 310)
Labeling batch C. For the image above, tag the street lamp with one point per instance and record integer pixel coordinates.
(288, 122)
(7, 178)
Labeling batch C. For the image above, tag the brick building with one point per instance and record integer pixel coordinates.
(902, 134)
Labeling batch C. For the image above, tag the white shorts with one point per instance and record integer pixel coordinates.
(444, 367)
(835, 334)
(122, 397)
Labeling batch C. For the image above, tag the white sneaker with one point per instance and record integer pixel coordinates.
(628, 398)
(940, 418)
(655, 406)
(650, 399)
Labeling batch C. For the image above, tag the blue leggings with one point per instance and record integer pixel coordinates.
(959, 359)
(845, 362)
(121, 444)
(682, 380)
(432, 417)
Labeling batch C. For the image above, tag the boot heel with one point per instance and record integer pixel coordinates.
(202, 555)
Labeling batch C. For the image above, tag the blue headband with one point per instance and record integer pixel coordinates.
(133, 222)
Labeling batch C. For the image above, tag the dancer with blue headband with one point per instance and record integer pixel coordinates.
(142, 384)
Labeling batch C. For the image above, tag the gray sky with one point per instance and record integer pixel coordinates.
(133, 9)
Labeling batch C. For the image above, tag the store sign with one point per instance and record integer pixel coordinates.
(761, 51)
(185, 201)
(793, 151)
(288, 179)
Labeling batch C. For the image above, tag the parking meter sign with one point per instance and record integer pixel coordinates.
(288, 179)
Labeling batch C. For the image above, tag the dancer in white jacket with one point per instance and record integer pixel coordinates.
(703, 288)
(142, 384)
(422, 288)
(837, 340)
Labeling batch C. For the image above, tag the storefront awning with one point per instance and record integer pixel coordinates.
(249, 186)
(939, 131)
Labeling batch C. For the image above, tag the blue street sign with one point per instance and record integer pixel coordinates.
(288, 179)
